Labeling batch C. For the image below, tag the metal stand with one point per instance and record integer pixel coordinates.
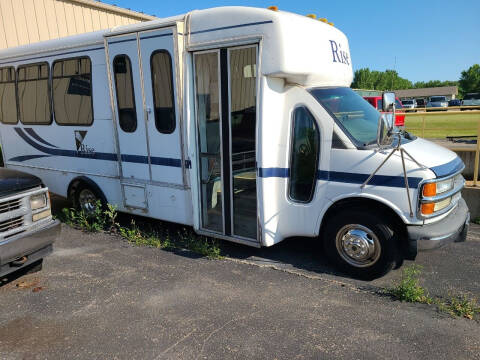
(403, 152)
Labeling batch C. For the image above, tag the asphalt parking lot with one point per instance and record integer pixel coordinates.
(100, 297)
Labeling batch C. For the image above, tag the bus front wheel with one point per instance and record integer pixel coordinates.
(363, 244)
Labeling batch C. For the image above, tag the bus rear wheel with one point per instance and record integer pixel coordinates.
(87, 199)
(362, 244)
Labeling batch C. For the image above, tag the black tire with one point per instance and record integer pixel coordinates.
(367, 235)
(34, 267)
(82, 191)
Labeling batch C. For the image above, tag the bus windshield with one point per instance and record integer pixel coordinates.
(355, 115)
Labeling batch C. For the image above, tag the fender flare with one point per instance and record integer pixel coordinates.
(333, 202)
(90, 183)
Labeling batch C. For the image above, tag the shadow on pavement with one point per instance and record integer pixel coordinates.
(293, 253)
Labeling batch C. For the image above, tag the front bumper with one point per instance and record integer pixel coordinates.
(32, 245)
(452, 228)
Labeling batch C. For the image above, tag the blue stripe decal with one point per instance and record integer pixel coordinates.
(166, 161)
(232, 27)
(273, 172)
(18, 58)
(34, 135)
(62, 152)
(27, 157)
(345, 177)
(139, 159)
(377, 180)
(449, 168)
(121, 41)
(155, 36)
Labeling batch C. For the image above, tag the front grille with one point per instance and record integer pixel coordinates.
(11, 224)
(10, 205)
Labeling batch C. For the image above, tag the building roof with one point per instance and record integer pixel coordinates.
(426, 92)
(112, 8)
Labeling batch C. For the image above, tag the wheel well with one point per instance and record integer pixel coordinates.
(371, 204)
(83, 180)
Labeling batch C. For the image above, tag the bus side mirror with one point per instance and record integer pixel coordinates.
(388, 101)
(385, 130)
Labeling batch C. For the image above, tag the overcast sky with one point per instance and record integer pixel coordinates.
(422, 40)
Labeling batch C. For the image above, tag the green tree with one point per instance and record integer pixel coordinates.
(379, 80)
(470, 80)
(434, 83)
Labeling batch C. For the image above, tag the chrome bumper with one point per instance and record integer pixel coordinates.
(452, 228)
(32, 245)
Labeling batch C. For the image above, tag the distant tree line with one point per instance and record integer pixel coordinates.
(390, 80)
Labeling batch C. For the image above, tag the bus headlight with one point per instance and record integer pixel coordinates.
(437, 188)
(437, 197)
(430, 208)
(38, 201)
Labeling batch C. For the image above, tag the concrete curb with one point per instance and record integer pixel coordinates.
(472, 197)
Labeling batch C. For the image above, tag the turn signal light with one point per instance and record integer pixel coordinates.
(428, 208)
(430, 189)
(273, 8)
(323, 20)
(311, 16)
(330, 23)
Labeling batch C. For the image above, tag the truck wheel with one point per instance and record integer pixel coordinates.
(86, 198)
(361, 243)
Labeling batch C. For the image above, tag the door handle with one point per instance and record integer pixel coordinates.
(148, 111)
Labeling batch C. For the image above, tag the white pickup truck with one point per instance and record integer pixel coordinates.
(27, 229)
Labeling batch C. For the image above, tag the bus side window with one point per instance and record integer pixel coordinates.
(33, 91)
(8, 101)
(72, 91)
(127, 113)
(304, 155)
(162, 83)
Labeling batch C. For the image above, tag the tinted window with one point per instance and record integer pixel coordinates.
(162, 83)
(351, 112)
(127, 114)
(33, 94)
(437, 98)
(72, 91)
(8, 102)
(304, 160)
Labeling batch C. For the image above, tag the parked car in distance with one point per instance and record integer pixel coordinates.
(471, 99)
(409, 104)
(437, 102)
(27, 229)
(377, 103)
(421, 103)
(454, 102)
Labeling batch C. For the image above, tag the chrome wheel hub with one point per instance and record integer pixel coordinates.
(87, 200)
(358, 245)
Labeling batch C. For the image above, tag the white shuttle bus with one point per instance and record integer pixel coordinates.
(237, 121)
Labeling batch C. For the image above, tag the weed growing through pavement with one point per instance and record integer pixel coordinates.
(408, 289)
(100, 219)
(460, 305)
(92, 221)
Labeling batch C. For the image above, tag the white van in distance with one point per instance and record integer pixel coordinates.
(237, 121)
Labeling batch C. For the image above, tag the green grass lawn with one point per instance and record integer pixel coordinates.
(440, 126)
